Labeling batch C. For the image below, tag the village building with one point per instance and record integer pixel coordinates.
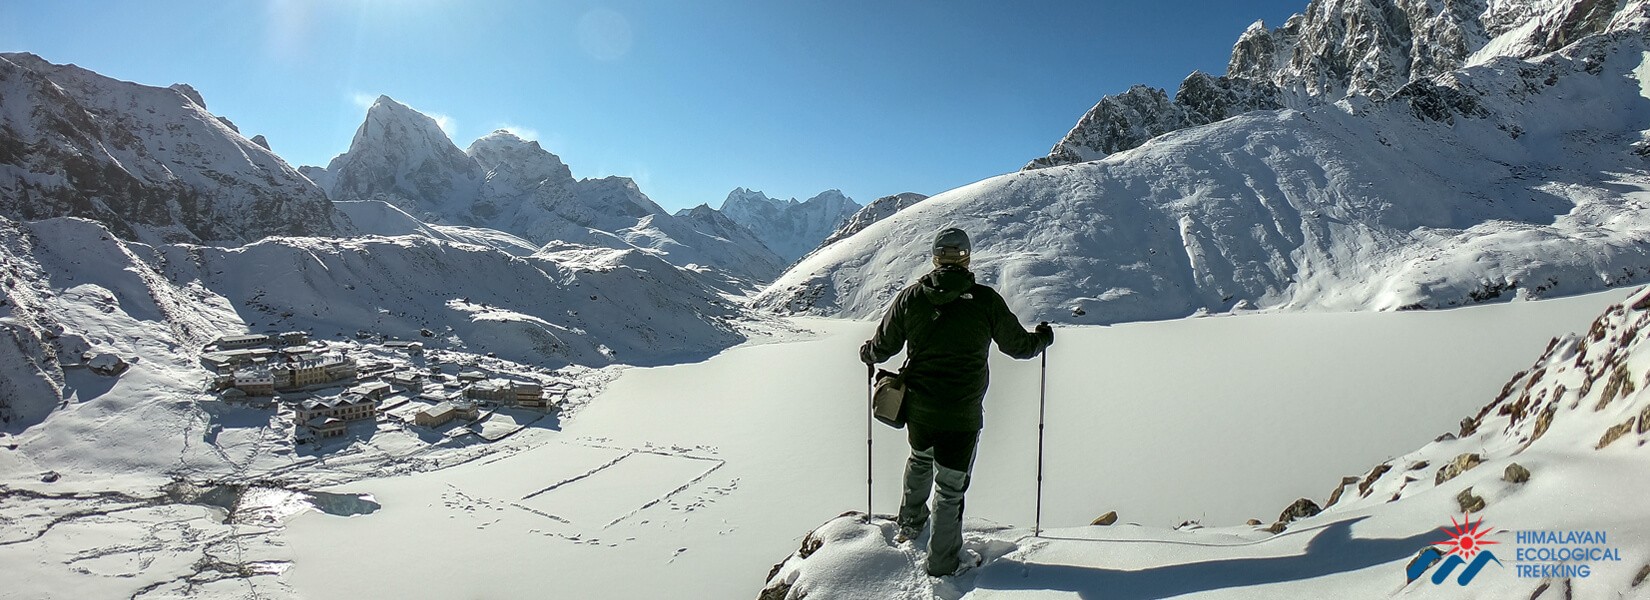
(411, 348)
(225, 361)
(302, 374)
(326, 427)
(504, 391)
(492, 390)
(255, 381)
(435, 416)
(407, 380)
(299, 353)
(471, 376)
(237, 342)
(328, 417)
(375, 390)
(529, 395)
(295, 338)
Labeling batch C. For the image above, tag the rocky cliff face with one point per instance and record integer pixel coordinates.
(150, 162)
(402, 157)
(1362, 50)
(877, 210)
(789, 228)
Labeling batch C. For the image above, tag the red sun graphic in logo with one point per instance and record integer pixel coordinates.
(1466, 539)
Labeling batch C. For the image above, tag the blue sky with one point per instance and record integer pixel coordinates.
(691, 99)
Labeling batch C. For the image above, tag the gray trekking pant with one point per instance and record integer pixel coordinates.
(941, 459)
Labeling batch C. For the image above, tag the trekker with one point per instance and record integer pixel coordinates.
(946, 322)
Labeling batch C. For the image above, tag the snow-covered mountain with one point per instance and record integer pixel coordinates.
(72, 286)
(877, 210)
(1510, 177)
(789, 228)
(1336, 50)
(150, 162)
(402, 157)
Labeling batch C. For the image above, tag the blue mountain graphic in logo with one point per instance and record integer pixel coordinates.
(1430, 557)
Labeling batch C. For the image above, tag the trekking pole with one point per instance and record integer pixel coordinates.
(1042, 402)
(870, 407)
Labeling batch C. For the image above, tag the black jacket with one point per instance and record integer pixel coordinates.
(949, 322)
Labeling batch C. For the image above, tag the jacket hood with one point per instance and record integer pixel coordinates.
(945, 284)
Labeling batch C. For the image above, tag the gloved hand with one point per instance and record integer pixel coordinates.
(1046, 333)
(866, 355)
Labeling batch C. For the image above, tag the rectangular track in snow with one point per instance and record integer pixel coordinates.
(623, 488)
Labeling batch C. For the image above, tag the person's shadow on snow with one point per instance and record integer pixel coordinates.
(1333, 550)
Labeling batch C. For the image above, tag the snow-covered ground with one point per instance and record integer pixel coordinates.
(692, 480)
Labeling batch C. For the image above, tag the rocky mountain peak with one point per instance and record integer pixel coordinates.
(189, 92)
(402, 156)
(1337, 49)
(149, 162)
(502, 152)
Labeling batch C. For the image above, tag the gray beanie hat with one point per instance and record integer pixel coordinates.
(951, 247)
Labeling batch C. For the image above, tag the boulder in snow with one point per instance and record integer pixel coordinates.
(1301, 509)
(1455, 468)
(1469, 502)
(1516, 473)
(1105, 519)
(106, 364)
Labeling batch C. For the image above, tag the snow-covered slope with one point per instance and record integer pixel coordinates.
(1561, 449)
(877, 210)
(150, 162)
(589, 307)
(374, 217)
(1359, 50)
(789, 228)
(502, 182)
(72, 287)
(1511, 178)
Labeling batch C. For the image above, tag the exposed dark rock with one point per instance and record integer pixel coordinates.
(1544, 421)
(1301, 509)
(261, 141)
(1255, 523)
(50, 477)
(1615, 433)
(1335, 496)
(1620, 383)
(1643, 574)
(1468, 501)
(1374, 475)
(1105, 519)
(1516, 473)
(1455, 468)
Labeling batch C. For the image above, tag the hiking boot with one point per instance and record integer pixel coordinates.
(967, 561)
(906, 534)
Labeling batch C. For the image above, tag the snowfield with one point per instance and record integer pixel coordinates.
(693, 480)
(1559, 450)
